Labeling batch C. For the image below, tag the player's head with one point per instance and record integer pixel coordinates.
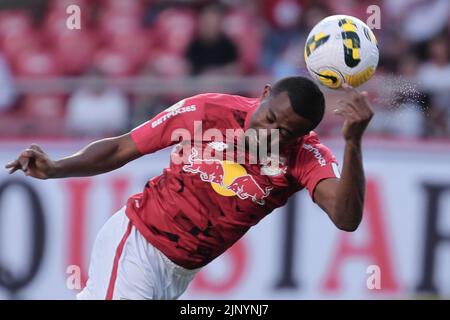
(293, 105)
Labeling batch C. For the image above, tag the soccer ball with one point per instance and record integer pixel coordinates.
(341, 49)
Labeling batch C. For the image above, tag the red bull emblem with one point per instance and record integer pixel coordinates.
(210, 170)
(246, 187)
(227, 179)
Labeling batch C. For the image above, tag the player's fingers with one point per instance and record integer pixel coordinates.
(31, 153)
(366, 103)
(341, 113)
(24, 161)
(355, 95)
(357, 114)
(355, 111)
(349, 89)
(346, 104)
(338, 112)
(26, 155)
(14, 169)
(350, 109)
(360, 107)
(36, 147)
(345, 112)
(11, 164)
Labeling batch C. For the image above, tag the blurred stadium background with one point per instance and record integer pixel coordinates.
(62, 88)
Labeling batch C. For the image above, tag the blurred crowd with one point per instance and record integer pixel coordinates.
(168, 39)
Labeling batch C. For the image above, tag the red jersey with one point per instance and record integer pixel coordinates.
(200, 206)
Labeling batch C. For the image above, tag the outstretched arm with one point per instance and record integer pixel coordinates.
(109, 154)
(98, 157)
(343, 199)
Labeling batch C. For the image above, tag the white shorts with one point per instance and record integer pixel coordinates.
(124, 265)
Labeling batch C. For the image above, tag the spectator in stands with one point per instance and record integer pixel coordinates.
(434, 76)
(435, 72)
(7, 92)
(97, 109)
(403, 113)
(411, 13)
(283, 19)
(211, 51)
(218, 49)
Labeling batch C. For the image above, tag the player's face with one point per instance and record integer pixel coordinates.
(276, 112)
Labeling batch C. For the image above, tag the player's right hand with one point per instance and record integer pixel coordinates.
(34, 162)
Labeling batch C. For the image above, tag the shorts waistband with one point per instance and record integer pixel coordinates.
(179, 269)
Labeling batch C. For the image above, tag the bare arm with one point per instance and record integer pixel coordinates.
(343, 199)
(98, 157)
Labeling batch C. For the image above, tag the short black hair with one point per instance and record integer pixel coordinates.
(306, 98)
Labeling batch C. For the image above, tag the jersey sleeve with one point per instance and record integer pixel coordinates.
(314, 163)
(169, 126)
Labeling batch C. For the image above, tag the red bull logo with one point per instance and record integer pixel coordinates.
(210, 170)
(246, 187)
(227, 178)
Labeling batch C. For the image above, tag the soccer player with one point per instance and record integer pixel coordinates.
(201, 205)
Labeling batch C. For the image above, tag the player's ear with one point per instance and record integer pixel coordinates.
(266, 91)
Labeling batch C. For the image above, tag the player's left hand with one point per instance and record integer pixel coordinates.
(356, 111)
